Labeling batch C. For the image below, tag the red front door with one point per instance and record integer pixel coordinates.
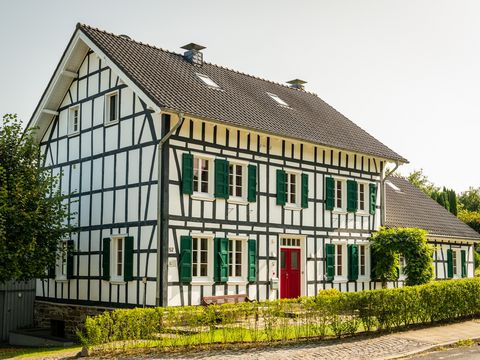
(289, 273)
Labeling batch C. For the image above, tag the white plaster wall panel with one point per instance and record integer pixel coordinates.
(85, 179)
(98, 110)
(126, 102)
(92, 87)
(62, 151)
(221, 135)
(120, 206)
(174, 206)
(121, 169)
(74, 148)
(96, 240)
(83, 71)
(65, 178)
(74, 213)
(133, 166)
(147, 161)
(65, 101)
(97, 141)
(126, 129)
(132, 204)
(96, 208)
(97, 171)
(107, 207)
(275, 211)
(82, 89)
(149, 203)
(111, 137)
(104, 80)
(86, 144)
(73, 92)
(173, 169)
(94, 285)
(108, 171)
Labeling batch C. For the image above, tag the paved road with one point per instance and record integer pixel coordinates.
(466, 353)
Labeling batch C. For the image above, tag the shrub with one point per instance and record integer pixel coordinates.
(329, 313)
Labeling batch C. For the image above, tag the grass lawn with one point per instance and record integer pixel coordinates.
(11, 352)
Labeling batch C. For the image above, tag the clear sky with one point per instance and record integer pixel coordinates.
(407, 71)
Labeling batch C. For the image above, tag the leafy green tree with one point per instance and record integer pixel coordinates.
(470, 199)
(389, 243)
(33, 213)
(452, 199)
(420, 180)
(471, 218)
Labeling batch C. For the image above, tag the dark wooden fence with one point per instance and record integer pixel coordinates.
(16, 306)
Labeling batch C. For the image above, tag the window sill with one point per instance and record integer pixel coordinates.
(117, 282)
(61, 280)
(109, 123)
(339, 211)
(203, 197)
(238, 201)
(340, 280)
(292, 207)
(237, 282)
(202, 282)
(362, 213)
(363, 278)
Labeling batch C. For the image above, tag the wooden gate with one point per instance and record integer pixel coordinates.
(16, 306)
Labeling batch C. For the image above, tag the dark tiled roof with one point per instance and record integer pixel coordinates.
(410, 207)
(170, 81)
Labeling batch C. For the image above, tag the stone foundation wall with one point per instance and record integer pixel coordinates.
(73, 315)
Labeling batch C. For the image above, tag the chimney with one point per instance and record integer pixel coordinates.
(297, 84)
(193, 53)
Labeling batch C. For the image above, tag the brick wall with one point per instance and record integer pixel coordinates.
(73, 315)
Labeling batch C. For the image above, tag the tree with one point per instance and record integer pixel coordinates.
(389, 244)
(471, 218)
(470, 199)
(452, 199)
(33, 213)
(420, 180)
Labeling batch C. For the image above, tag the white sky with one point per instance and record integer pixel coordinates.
(407, 71)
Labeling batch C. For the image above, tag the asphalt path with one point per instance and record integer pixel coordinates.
(460, 353)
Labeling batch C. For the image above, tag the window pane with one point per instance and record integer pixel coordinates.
(339, 194)
(282, 259)
(294, 260)
(230, 179)
(339, 260)
(113, 107)
(195, 173)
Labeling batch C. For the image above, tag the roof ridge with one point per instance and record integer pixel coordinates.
(81, 25)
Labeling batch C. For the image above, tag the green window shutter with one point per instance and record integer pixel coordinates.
(106, 259)
(304, 191)
(329, 193)
(252, 260)
(185, 261)
(221, 178)
(352, 262)
(70, 251)
(220, 248)
(450, 263)
(330, 261)
(352, 196)
(281, 179)
(128, 259)
(187, 174)
(373, 198)
(464, 263)
(252, 183)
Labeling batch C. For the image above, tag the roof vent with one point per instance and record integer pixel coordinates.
(193, 53)
(297, 84)
(125, 36)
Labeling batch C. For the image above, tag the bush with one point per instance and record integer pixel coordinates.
(329, 313)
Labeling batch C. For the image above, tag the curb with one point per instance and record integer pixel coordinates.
(425, 349)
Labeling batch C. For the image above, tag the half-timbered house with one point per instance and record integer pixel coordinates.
(188, 179)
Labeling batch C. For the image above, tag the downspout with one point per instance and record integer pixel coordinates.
(383, 192)
(159, 296)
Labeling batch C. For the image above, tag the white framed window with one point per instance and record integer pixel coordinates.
(207, 81)
(112, 107)
(341, 266)
(237, 259)
(202, 258)
(61, 268)
(202, 175)
(117, 258)
(456, 259)
(277, 99)
(363, 265)
(290, 242)
(292, 189)
(363, 202)
(237, 180)
(74, 120)
(340, 198)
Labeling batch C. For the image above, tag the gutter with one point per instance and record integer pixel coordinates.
(383, 209)
(161, 256)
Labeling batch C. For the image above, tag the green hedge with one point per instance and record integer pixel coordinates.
(330, 313)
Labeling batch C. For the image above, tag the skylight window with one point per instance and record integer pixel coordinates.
(208, 81)
(277, 99)
(394, 187)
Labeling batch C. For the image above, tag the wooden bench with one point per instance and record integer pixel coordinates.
(224, 299)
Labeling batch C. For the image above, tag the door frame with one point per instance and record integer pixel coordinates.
(303, 260)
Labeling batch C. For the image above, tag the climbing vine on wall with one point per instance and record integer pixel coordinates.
(389, 244)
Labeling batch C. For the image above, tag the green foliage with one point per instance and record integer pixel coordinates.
(32, 213)
(471, 218)
(389, 244)
(470, 199)
(420, 180)
(330, 313)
